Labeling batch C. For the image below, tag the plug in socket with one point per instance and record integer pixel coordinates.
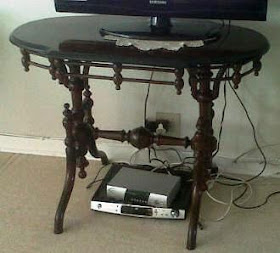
(174, 123)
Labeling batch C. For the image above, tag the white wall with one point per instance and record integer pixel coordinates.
(31, 103)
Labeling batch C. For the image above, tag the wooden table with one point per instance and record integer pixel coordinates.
(73, 45)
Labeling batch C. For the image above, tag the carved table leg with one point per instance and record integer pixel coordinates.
(76, 144)
(70, 171)
(203, 144)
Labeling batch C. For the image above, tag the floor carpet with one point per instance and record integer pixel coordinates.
(31, 186)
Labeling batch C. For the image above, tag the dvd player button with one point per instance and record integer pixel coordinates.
(174, 213)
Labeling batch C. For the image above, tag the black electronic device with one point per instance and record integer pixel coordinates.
(143, 187)
(202, 9)
(160, 12)
(177, 210)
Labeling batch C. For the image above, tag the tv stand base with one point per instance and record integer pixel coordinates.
(163, 29)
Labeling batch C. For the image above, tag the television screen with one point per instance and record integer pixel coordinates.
(202, 9)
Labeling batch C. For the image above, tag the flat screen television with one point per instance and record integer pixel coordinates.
(209, 9)
(161, 11)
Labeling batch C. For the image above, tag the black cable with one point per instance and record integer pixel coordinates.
(95, 178)
(241, 195)
(147, 97)
(185, 162)
(260, 150)
(94, 182)
(230, 178)
(145, 109)
(156, 157)
(146, 102)
(223, 117)
(187, 158)
(254, 134)
(145, 119)
(167, 149)
(179, 166)
(263, 155)
(175, 150)
(155, 153)
(149, 154)
(244, 192)
(213, 176)
(158, 160)
(257, 206)
(224, 38)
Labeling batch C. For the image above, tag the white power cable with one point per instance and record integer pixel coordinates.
(215, 199)
(231, 194)
(228, 209)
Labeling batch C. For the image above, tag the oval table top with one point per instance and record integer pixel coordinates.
(46, 38)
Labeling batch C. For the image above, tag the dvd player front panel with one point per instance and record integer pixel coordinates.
(138, 211)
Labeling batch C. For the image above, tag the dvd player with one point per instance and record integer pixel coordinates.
(141, 187)
(138, 211)
(177, 211)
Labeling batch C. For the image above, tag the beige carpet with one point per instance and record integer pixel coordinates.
(30, 189)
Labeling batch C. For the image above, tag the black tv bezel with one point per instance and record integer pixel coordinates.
(78, 7)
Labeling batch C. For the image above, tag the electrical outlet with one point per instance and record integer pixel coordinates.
(153, 125)
(174, 120)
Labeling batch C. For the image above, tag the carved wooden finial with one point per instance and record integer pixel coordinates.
(52, 69)
(25, 60)
(236, 78)
(67, 112)
(68, 125)
(67, 106)
(87, 106)
(86, 70)
(257, 65)
(179, 82)
(87, 102)
(118, 79)
(67, 115)
(82, 163)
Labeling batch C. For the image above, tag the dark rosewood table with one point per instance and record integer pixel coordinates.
(73, 45)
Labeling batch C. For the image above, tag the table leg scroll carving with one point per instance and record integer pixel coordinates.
(70, 170)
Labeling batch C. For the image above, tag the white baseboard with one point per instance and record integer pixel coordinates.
(55, 147)
(122, 152)
(32, 145)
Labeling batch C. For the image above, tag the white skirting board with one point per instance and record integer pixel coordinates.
(55, 147)
(119, 152)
